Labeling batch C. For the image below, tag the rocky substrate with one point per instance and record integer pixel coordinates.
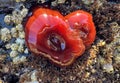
(99, 64)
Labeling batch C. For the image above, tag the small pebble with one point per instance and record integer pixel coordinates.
(93, 71)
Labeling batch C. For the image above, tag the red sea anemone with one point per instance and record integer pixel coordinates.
(82, 23)
(58, 38)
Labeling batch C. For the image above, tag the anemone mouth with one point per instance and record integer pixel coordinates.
(56, 42)
(84, 32)
(82, 29)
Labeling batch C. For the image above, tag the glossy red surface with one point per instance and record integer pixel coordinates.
(82, 23)
(48, 34)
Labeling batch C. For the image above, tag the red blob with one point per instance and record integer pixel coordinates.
(82, 23)
(48, 34)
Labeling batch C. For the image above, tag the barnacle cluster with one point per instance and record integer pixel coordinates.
(16, 16)
(17, 46)
(5, 34)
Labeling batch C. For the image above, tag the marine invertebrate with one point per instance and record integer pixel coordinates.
(5, 34)
(17, 15)
(48, 34)
(82, 23)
